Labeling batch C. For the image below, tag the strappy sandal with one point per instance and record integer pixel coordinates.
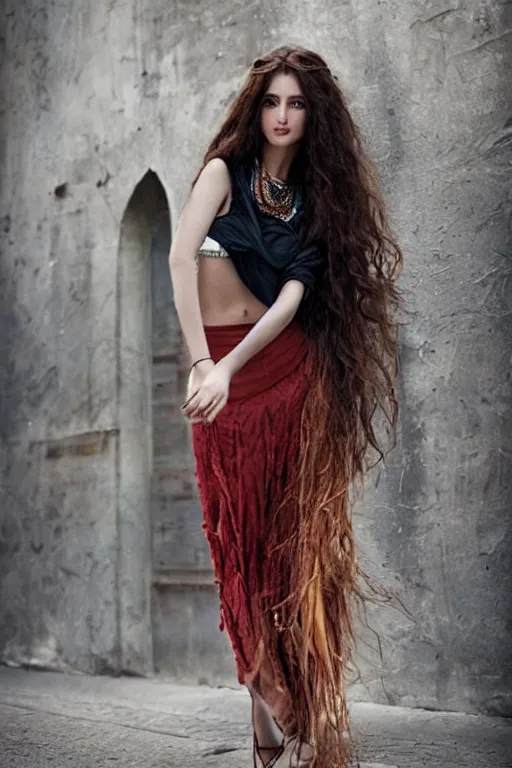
(258, 760)
(256, 749)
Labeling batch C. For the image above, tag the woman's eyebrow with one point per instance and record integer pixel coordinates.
(294, 96)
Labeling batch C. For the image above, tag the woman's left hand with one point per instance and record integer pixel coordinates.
(210, 396)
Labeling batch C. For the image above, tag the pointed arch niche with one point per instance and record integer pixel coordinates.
(168, 605)
(145, 239)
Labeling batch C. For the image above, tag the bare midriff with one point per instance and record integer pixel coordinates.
(224, 299)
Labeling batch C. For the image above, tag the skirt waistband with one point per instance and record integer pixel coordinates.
(278, 359)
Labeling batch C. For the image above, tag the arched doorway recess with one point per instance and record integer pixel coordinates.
(168, 606)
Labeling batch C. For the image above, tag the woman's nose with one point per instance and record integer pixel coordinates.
(282, 114)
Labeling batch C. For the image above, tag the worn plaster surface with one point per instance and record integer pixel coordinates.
(49, 719)
(93, 96)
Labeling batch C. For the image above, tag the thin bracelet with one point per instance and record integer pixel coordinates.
(200, 361)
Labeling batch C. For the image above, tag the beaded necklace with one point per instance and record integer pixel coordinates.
(273, 196)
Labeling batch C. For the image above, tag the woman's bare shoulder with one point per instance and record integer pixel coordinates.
(215, 170)
(215, 181)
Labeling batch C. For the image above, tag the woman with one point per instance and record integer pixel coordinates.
(292, 338)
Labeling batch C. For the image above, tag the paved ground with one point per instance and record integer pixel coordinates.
(49, 719)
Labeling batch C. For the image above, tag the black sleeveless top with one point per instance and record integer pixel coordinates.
(266, 251)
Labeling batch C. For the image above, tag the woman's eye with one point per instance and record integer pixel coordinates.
(269, 101)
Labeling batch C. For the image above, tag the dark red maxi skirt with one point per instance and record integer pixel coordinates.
(245, 461)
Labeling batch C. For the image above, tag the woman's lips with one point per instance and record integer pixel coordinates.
(281, 131)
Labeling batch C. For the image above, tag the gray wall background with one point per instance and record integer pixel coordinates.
(94, 95)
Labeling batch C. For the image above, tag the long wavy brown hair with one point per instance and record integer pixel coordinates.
(352, 319)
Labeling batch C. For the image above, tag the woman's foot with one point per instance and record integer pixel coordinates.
(266, 757)
(268, 743)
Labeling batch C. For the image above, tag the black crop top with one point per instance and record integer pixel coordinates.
(266, 251)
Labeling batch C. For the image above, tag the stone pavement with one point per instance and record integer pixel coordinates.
(57, 720)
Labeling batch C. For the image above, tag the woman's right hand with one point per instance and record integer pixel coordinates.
(207, 391)
(195, 379)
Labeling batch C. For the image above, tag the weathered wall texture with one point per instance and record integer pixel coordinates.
(94, 95)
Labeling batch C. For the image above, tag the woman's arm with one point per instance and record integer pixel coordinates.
(206, 402)
(208, 194)
(209, 384)
(270, 325)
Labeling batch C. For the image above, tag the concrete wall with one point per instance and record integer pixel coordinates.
(96, 94)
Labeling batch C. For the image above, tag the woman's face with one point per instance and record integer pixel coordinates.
(283, 111)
